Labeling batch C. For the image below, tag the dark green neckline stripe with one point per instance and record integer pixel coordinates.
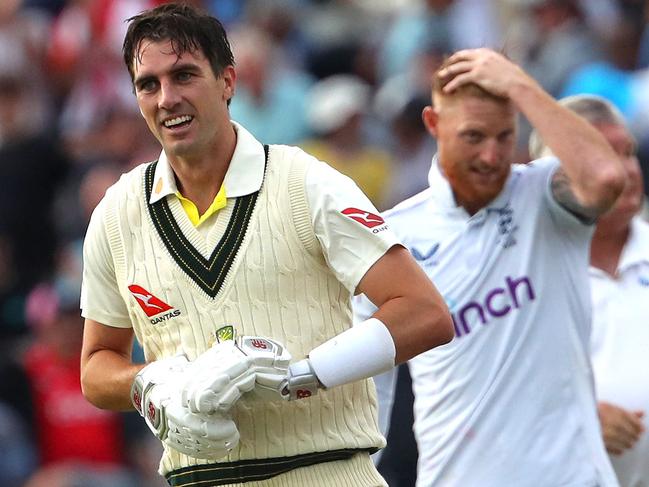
(208, 274)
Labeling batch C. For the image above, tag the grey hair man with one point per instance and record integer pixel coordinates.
(619, 266)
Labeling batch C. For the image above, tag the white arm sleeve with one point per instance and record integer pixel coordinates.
(352, 234)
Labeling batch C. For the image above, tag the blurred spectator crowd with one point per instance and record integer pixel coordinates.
(344, 79)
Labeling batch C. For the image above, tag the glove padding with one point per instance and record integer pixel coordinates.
(209, 437)
(301, 381)
(156, 395)
(231, 368)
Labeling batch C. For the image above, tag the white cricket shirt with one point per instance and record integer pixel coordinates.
(333, 199)
(620, 345)
(509, 402)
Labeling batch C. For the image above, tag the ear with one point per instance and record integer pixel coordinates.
(229, 76)
(430, 118)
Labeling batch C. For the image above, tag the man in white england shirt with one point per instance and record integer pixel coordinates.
(509, 402)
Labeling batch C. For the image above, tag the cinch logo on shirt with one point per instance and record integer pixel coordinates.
(498, 302)
(152, 305)
(370, 220)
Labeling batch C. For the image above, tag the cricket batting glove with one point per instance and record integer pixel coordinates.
(234, 367)
(208, 437)
(299, 382)
(156, 392)
(274, 377)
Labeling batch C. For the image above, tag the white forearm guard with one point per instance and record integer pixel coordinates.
(363, 351)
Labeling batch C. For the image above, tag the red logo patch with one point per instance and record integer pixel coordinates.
(147, 301)
(302, 393)
(259, 344)
(370, 220)
(152, 414)
(137, 401)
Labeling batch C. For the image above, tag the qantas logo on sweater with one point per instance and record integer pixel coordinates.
(370, 220)
(152, 305)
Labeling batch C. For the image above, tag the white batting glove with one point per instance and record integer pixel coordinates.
(299, 382)
(274, 377)
(221, 375)
(229, 369)
(209, 437)
(153, 388)
(270, 361)
(250, 363)
(155, 393)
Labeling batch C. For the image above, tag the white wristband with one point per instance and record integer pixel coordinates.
(363, 351)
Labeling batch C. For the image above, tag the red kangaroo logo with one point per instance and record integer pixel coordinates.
(147, 301)
(370, 220)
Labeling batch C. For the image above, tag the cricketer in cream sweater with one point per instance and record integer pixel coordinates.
(277, 282)
(233, 263)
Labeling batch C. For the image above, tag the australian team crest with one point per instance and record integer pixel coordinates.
(223, 334)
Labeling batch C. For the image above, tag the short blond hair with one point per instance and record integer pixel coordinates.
(466, 90)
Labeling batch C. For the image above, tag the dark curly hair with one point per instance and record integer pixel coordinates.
(188, 28)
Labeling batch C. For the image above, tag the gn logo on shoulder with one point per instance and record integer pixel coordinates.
(367, 219)
(152, 306)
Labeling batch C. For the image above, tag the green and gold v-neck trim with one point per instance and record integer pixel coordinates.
(209, 273)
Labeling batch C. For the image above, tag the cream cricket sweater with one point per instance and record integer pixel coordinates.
(267, 276)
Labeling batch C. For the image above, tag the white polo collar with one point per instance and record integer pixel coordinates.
(635, 251)
(244, 176)
(442, 193)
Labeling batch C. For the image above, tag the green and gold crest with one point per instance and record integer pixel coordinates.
(225, 333)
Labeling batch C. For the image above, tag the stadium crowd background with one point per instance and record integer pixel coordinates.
(344, 79)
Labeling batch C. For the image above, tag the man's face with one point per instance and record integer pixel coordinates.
(631, 199)
(183, 102)
(476, 141)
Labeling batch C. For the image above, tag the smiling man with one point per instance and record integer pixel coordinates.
(509, 402)
(233, 263)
